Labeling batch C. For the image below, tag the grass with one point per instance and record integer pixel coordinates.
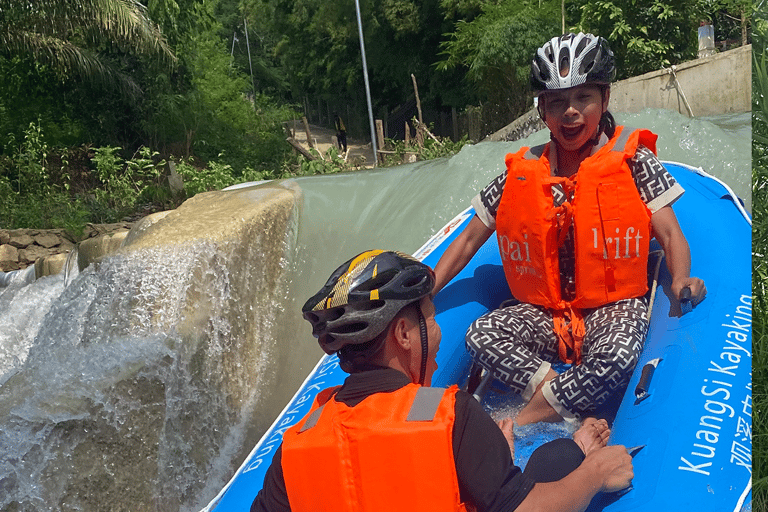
(759, 253)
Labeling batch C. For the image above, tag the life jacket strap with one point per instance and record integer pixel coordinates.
(570, 331)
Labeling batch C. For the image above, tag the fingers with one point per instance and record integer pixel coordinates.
(696, 285)
(614, 464)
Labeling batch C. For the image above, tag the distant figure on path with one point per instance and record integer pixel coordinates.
(341, 132)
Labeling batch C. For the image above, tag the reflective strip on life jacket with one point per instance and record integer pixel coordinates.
(392, 451)
(612, 231)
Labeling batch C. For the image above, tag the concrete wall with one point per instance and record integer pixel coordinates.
(714, 85)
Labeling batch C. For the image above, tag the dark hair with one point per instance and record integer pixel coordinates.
(607, 124)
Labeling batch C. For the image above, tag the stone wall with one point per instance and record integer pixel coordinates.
(20, 248)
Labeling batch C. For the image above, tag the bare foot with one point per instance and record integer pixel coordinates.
(507, 426)
(592, 435)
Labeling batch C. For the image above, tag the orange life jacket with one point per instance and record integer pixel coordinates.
(392, 451)
(612, 228)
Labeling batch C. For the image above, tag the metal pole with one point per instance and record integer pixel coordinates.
(232, 53)
(367, 87)
(563, 11)
(248, 44)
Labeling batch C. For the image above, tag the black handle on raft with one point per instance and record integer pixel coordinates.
(686, 304)
(641, 390)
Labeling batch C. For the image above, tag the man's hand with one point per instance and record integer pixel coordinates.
(614, 465)
(697, 286)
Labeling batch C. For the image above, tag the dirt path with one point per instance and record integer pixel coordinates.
(324, 138)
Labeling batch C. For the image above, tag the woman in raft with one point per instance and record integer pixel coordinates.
(574, 218)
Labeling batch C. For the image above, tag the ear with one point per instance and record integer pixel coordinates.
(606, 98)
(400, 330)
(540, 108)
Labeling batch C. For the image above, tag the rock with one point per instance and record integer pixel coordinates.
(31, 253)
(65, 245)
(94, 249)
(5, 236)
(20, 239)
(175, 181)
(9, 258)
(47, 240)
(50, 266)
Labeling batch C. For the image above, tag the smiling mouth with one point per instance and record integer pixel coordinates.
(571, 133)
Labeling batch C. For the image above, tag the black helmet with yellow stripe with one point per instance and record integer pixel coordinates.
(363, 295)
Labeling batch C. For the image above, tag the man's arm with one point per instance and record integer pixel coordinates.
(461, 250)
(678, 254)
(608, 469)
(273, 497)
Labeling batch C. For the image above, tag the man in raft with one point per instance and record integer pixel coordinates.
(574, 218)
(385, 441)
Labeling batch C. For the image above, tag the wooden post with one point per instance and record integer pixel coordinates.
(473, 113)
(407, 134)
(306, 129)
(455, 120)
(380, 133)
(418, 101)
(300, 149)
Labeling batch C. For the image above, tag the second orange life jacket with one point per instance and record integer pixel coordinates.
(612, 227)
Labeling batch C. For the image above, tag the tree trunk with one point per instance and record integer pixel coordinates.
(418, 101)
(743, 27)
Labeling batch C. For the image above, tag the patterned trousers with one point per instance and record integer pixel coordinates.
(517, 345)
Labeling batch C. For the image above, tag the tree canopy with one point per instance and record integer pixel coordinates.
(69, 36)
(213, 77)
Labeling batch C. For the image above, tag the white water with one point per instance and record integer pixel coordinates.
(143, 383)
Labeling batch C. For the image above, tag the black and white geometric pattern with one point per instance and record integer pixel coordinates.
(513, 343)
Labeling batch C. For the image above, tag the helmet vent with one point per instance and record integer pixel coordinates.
(377, 282)
(334, 314)
(351, 328)
(549, 54)
(370, 306)
(564, 63)
(580, 47)
(588, 62)
(415, 281)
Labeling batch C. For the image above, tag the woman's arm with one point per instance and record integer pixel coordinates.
(678, 254)
(461, 250)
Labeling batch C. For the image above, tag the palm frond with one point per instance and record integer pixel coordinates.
(58, 33)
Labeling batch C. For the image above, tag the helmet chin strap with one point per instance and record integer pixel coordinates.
(424, 345)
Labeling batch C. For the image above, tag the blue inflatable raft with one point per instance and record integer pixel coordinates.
(689, 402)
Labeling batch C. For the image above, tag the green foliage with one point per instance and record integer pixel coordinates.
(204, 179)
(329, 163)
(32, 177)
(66, 36)
(431, 148)
(31, 198)
(123, 182)
(496, 49)
(644, 36)
(759, 252)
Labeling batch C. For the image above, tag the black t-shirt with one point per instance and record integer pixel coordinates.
(488, 478)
